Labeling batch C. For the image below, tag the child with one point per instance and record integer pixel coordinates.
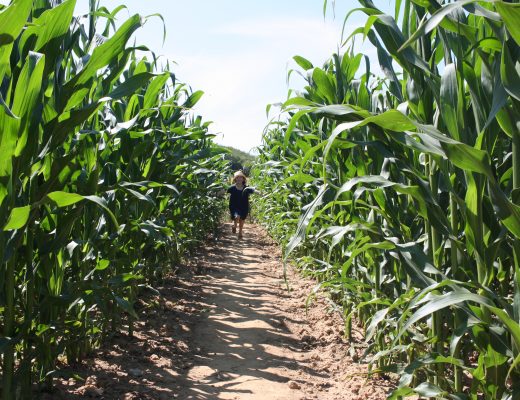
(239, 201)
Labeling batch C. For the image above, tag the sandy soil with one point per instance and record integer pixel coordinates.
(228, 328)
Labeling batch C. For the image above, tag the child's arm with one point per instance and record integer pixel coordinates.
(224, 191)
(255, 191)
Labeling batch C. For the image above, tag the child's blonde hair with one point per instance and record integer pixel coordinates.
(237, 174)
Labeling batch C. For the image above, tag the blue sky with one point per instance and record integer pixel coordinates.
(239, 52)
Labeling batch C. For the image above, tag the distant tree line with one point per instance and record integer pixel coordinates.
(240, 160)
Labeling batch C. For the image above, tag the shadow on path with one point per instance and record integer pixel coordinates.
(243, 348)
(218, 333)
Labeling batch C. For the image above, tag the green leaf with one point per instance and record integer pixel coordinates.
(386, 63)
(324, 84)
(510, 14)
(131, 85)
(427, 389)
(298, 101)
(106, 52)
(426, 204)
(303, 62)
(18, 218)
(154, 89)
(64, 199)
(417, 264)
(28, 97)
(140, 196)
(393, 40)
(292, 124)
(52, 23)
(12, 21)
(460, 154)
(102, 264)
(64, 125)
(124, 279)
(299, 177)
(304, 221)
(193, 99)
(103, 204)
(441, 17)
(439, 302)
(508, 72)
(507, 211)
(126, 306)
(448, 104)
(392, 120)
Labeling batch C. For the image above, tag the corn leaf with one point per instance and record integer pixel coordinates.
(18, 218)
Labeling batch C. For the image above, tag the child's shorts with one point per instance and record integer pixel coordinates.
(239, 213)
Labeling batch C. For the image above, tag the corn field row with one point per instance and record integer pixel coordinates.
(400, 193)
(106, 181)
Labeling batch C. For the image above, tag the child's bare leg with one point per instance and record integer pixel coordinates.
(240, 226)
(235, 220)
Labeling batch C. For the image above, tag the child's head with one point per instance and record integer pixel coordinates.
(239, 178)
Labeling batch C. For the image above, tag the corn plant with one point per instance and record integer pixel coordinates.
(106, 181)
(401, 192)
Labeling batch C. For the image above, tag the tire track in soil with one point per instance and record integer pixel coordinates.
(229, 329)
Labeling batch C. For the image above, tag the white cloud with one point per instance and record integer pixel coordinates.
(238, 58)
(276, 28)
(238, 85)
(235, 97)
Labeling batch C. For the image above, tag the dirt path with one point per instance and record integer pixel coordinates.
(230, 330)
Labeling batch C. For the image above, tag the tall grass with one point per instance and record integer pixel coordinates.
(400, 193)
(106, 180)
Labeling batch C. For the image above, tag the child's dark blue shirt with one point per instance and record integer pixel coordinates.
(239, 201)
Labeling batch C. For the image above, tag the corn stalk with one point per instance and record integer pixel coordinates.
(400, 193)
(107, 179)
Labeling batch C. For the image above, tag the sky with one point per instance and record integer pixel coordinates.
(239, 52)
